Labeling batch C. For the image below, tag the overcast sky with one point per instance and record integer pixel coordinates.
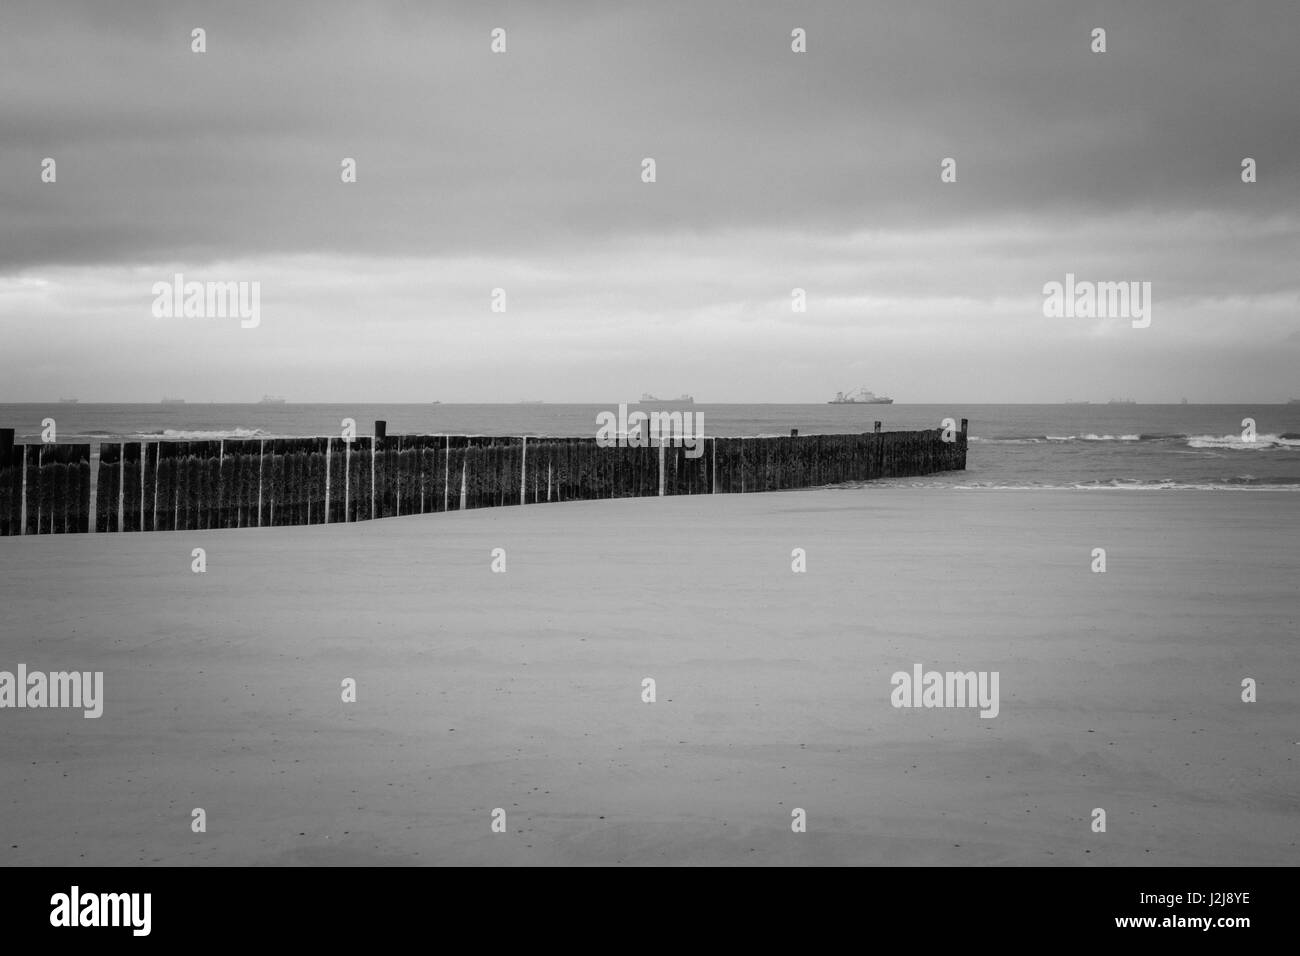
(775, 170)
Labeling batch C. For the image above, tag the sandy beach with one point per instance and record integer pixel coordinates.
(522, 690)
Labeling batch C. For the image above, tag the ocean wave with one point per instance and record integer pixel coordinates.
(1268, 442)
(183, 434)
(1238, 483)
(1121, 484)
(1040, 439)
(1234, 442)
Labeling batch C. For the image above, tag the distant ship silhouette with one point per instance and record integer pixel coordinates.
(862, 396)
(648, 399)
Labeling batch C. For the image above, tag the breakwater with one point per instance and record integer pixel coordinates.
(240, 483)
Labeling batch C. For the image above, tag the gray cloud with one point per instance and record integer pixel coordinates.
(774, 169)
(163, 152)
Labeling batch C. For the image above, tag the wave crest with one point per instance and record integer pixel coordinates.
(196, 434)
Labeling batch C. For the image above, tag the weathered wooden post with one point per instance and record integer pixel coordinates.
(32, 488)
(79, 484)
(164, 502)
(149, 485)
(877, 428)
(132, 487)
(381, 430)
(108, 488)
(794, 433)
(11, 482)
(180, 484)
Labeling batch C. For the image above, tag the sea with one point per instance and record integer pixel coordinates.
(1078, 446)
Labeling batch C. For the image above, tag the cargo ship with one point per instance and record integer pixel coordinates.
(172, 401)
(862, 396)
(648, 399)
(271, 400)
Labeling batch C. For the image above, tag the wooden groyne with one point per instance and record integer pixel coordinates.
(242, 483)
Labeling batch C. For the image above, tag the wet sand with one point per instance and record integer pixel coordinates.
(522, 690)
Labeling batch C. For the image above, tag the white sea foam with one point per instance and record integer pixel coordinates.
(181, 434)
(1128, 486)
(1234, 442)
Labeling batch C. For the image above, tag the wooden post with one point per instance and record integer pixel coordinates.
(108, 487)
(39, 477)
(415, 447)
(400, 458)
(229, 482)
(299, 482)
(431, 476)
(209, 485)
(438, 469)
(31, 488)
(275, 454)
(347, 481)
(471, 474)
(79, 484)
(452, 462)
(201, 455)
(877, 428)
(11, 482)
(164, 517)
(148, 485)
(179, 456)
(794, 433)
(210, 509)
(200, 467)
(481, 479)
(285, 504)
(360, 457)
(248, 468)
(494, 466)
(11, 475)
(54, 487)
(376, 473)
(299, 488)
